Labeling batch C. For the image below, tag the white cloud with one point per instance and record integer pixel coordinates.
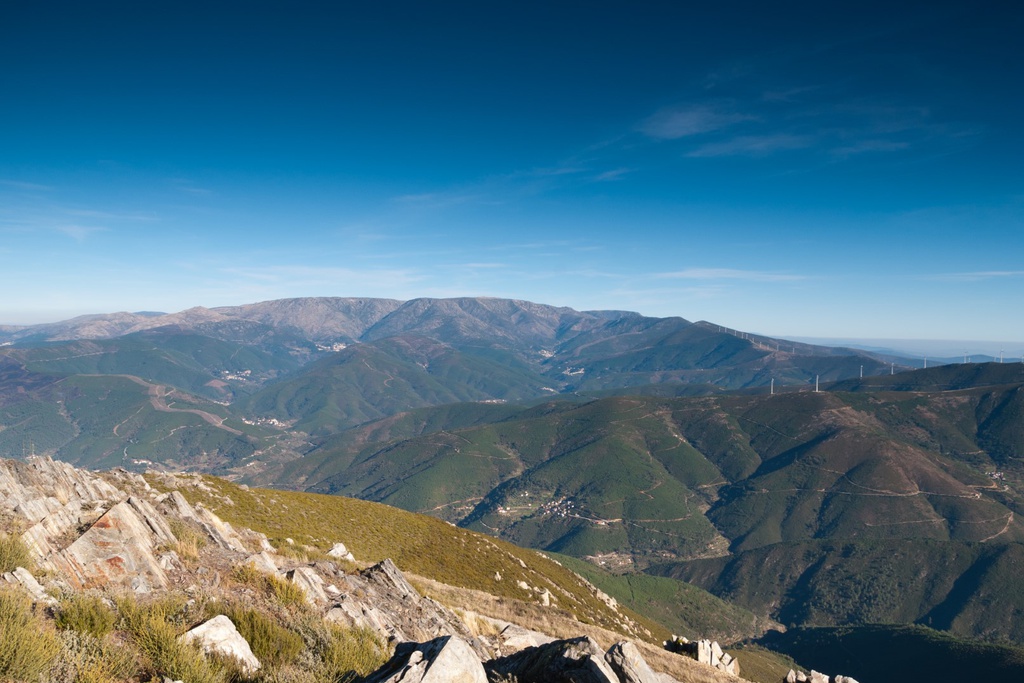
(754, 145)
(730, 274)
(79, 233)
(614, 174)
(677, 122)
(867, 146)
(977, 276)
(21, 185)
(111, 216)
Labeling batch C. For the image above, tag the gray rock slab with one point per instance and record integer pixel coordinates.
(219, 635)
(447, 659)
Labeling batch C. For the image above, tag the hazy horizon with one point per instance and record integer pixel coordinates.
(910, 347)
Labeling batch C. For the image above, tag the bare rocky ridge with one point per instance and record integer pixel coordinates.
(116, 531)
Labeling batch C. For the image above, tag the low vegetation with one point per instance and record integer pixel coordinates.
(94, 638)
(273, 644)
(28, 644)
(85, 613)
(13, 554)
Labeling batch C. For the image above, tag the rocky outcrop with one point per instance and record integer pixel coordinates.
(381, 599)
(515, 638)
(448, 659)
(216, 529)
(91, 533)
(219, 636)
(706, 652)
(311, 584)
(53, 498)
(23, 577)
(576, 660)
(118, 548)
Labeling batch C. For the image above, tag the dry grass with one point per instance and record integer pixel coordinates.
(154, 628)
(273, 644)
(13, 554)
(28, 645)
(190, 540)
(284, 591)
(85, 613)
(87, 659)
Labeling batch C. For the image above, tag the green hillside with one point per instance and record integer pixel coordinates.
(369, 381)
(838, 492)
(192, 362)
(683, 608)
(100, 421)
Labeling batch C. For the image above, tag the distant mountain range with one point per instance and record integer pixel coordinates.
(681, 449)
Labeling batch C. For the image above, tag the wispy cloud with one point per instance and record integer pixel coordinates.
(730, 274)
(438, 199)
(79, 233)
(190, 187)
(21, 185)
(682, 121)
(869, 146)
(111, 215)
(977, 276)
(614, 174)
(754, 145)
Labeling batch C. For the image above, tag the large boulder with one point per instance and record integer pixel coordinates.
(576, 660)
(447, 659)
(219, 636)
(628, 665)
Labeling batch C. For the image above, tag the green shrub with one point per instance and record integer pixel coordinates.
(341, 655)
(277, 587)
(286, 592)
(152, 630)
(272, 644)
(88, 659)
(248, 575)
(85, 614)
(27, 645)
(352, 653)
(13, 554)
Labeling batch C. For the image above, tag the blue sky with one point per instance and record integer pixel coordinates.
(841, 169)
